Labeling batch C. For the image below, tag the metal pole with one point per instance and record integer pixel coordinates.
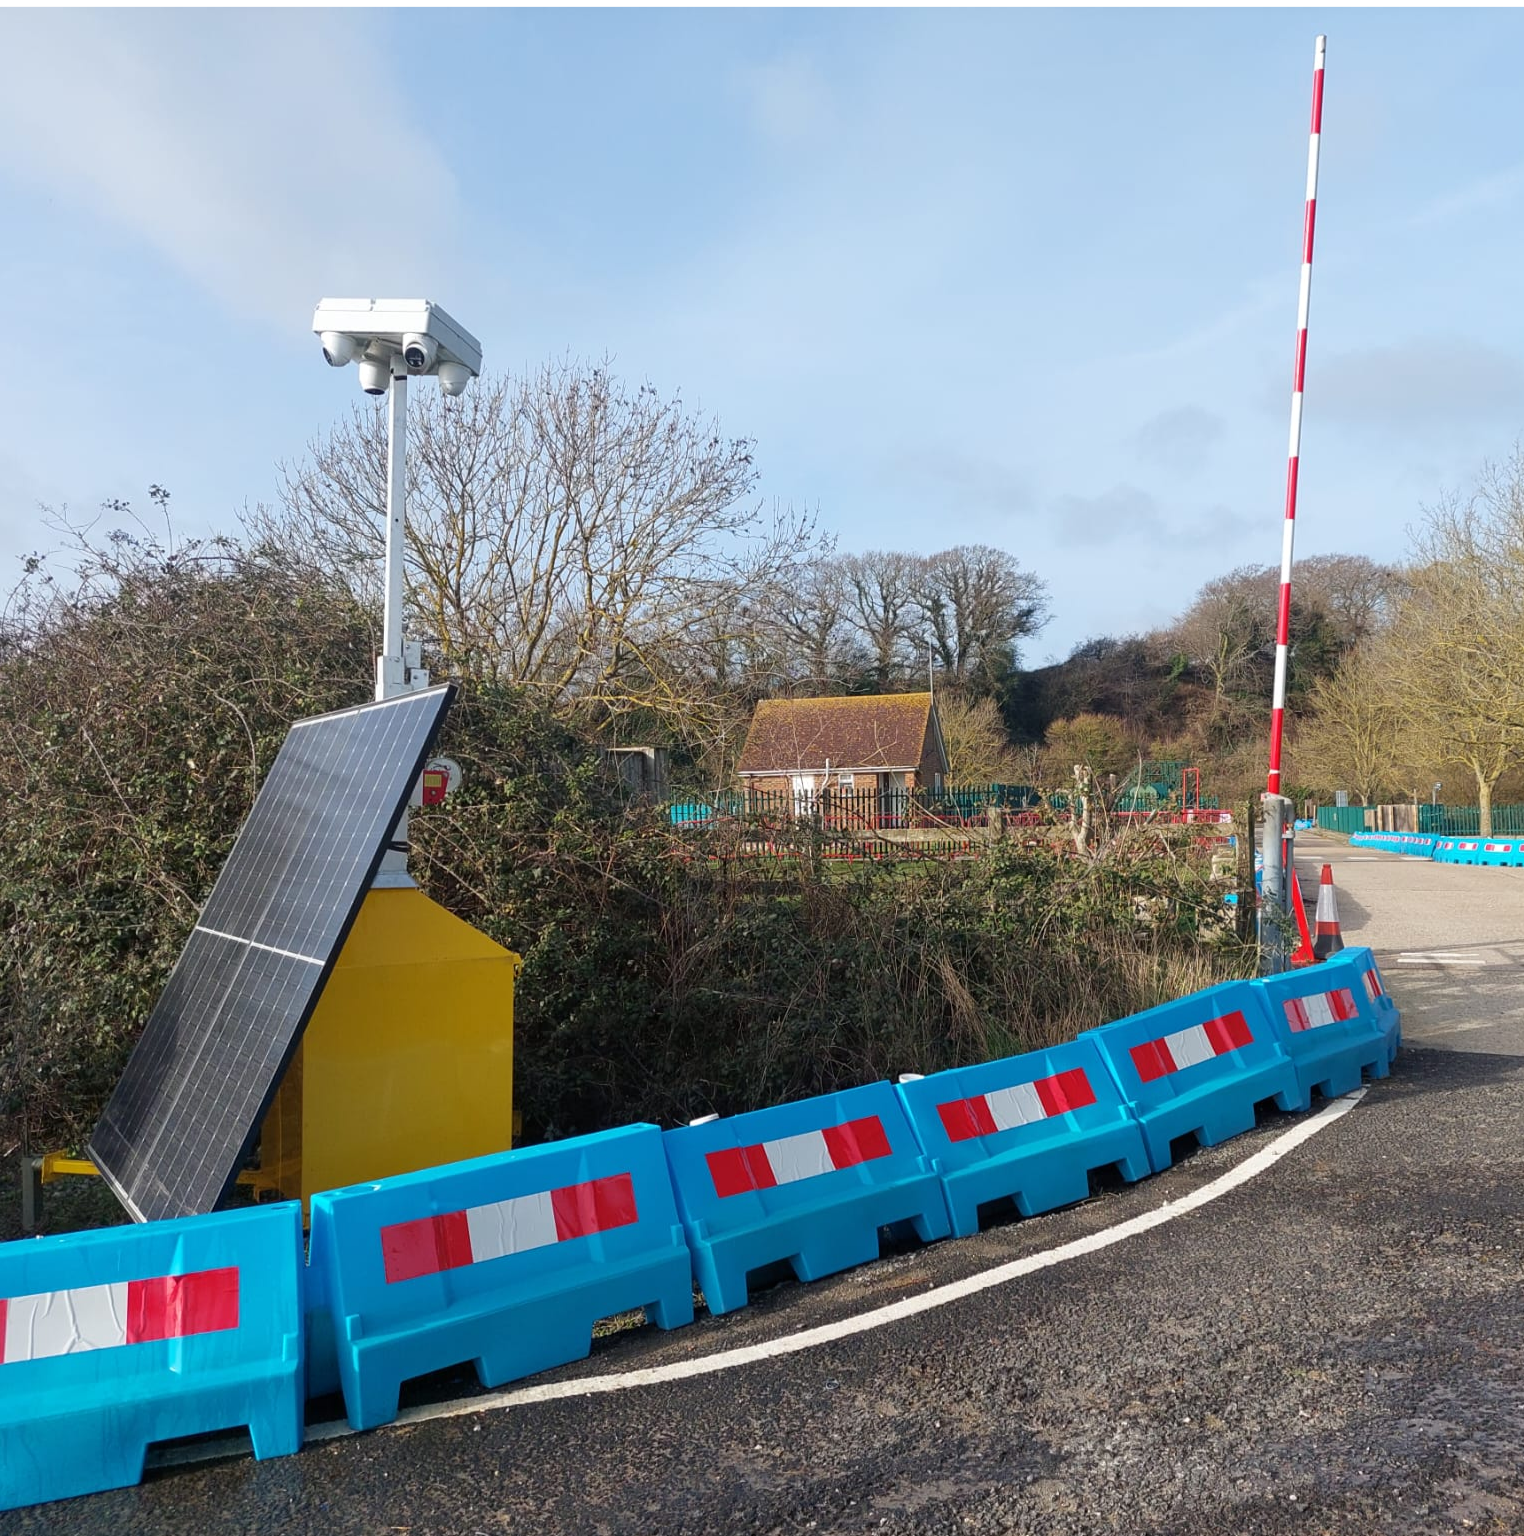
(391, 671)
(391, 667)
(1283, 618)
(1274, 884)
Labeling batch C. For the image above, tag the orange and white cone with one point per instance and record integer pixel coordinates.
(1328, 939)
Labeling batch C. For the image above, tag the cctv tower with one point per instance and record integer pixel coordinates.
(407, 1061)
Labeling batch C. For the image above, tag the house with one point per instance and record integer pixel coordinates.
(855, 746)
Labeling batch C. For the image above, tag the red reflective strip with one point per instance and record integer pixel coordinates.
(175, 1306)
(1290, 500)
(963, 1119)
(1307, 229)
(1299, 368)
(1342, 1004)
(727, 1167)
(1317, 101)
(1297, 1015)
(1229, 1033)
(426, 1246)
(599, 1205)
(1065, 1091)
(759, 1167)
(858, 1141)
(1327, 927)
(1152, 1059)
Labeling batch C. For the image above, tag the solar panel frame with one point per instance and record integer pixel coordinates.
(201, 1079)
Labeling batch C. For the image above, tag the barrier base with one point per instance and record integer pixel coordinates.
(820, 1240)
(59, 1451)
(507, 1341)
(1212, 1116)
(1042, 1180)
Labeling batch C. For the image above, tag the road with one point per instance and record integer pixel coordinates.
(1332, 1344)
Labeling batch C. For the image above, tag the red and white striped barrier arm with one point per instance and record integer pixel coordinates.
(737, 1170)
(1189, 1047)
(1321, 1008)
(69, 1322)
(1299, 373)
(1003, 1109)
(432, 1244)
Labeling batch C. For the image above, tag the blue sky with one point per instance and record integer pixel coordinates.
(1025, 278)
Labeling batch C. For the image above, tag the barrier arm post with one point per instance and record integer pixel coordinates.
(1275, 882)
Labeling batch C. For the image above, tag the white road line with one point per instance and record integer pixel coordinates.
(812, 1338)
(1434, 960)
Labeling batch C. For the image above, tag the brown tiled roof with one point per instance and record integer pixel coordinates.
(801, 735)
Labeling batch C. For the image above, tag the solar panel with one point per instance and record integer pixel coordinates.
(199, 1081)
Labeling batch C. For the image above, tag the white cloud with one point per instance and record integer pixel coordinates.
(1424, 383)
(1180, 439)
(788, 100)
(266, 154)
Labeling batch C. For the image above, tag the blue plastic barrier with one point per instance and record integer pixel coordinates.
(1419, 845)
(112, 1339)
(1031, 1128)
(1197, 1066)
(1384, 1011)
(810, 1183)
(506, 1261)
(1328, 1024)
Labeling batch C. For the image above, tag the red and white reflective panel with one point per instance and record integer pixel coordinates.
(1373, 987)
(51, 1323)
(1497, 847)
(1467, 847)
(1321, 1008)
(1190, 1047)
(1004, 1109)
(482, 1232)
(736, 1170)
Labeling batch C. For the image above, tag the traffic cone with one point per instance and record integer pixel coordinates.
(1329, 940)
(1305, 954)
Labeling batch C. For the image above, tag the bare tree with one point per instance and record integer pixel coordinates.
(882, 590)
(564, 534)
(1351, 736)
(976, 603)
(1358, 594)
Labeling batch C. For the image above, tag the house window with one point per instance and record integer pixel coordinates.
(847, 781)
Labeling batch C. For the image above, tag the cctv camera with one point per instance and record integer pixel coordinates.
(419, 352)
(338, 348)
(375, 375)
(453, 378)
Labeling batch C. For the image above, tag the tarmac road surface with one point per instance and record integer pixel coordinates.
(1333, 1343)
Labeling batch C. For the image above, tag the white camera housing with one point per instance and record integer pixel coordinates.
(375, 375)
(419, 352)
(429, 341)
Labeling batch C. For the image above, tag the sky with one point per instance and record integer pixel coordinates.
(1023, 278)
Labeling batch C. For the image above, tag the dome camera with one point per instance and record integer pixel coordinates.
(338, 349)
(453, 378)
(419, 352)
(375, 375)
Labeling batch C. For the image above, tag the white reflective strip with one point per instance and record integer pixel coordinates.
(1325, 912)
(1312, 166)
(1010, 1107)
(65, 1322)
(511, 1226)
(1319, 1009)
(798, 1157)
(1190, 1046)
(1296, 426)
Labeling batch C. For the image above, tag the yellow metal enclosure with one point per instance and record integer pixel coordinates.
(407, 1061)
